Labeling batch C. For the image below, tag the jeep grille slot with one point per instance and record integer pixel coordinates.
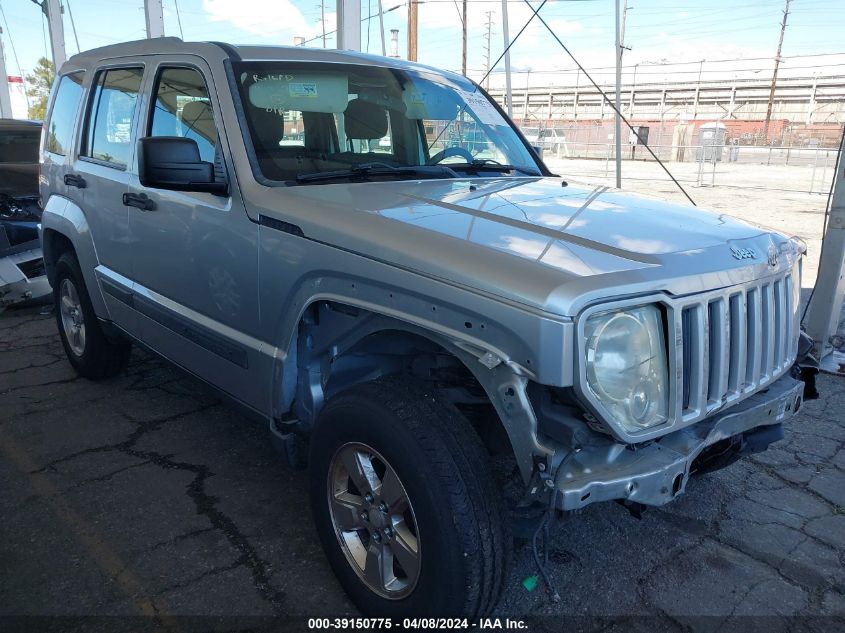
(734, 341)
(719, 345)
(752, 318)
(686, 320)
(738, 341)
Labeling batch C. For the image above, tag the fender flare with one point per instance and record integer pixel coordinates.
(63, 217)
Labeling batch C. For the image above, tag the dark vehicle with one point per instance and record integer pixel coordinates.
(22, 276)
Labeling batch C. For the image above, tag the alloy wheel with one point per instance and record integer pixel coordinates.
(374, 520)
(73, 320)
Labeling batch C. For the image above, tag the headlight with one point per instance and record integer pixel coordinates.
(626, 366)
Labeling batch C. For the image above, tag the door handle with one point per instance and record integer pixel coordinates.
(139, 201)
(72, 180)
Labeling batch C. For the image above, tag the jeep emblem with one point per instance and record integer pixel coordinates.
(773, 256)
(743, 253)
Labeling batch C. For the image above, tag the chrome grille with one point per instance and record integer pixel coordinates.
(735, 341)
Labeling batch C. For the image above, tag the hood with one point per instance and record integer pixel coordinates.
(537, 240)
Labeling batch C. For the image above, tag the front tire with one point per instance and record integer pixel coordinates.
(404, 503)
(90, 353)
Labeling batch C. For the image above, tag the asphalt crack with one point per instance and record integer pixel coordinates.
(205, 503)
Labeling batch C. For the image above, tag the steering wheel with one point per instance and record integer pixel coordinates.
(450, 151)
(487, 161)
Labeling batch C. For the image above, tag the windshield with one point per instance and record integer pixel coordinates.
(305, 118)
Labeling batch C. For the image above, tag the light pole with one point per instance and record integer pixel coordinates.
(506, 37)
(618, 122)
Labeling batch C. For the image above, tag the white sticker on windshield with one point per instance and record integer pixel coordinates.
(303, 89)
(483, 109)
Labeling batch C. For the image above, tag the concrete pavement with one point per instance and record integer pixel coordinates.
(144, 494)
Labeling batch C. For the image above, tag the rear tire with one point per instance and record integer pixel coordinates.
(90, 353)
(400, 437)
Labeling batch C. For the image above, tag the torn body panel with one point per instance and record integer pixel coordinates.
(655, 472)
(341, 345)
(22, 274)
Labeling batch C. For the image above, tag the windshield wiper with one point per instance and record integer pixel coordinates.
(484, 165)
(378, 169)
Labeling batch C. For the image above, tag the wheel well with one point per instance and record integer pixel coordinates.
(53, 245)
(340, 346)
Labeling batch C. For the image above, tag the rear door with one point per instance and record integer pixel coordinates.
(100, 177)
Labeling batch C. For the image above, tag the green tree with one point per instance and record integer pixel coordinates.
(38, 83)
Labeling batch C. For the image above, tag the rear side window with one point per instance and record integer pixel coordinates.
(182, 108)
(111, 114)
(63, 115)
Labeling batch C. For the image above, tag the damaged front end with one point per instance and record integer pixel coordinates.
(655, 472)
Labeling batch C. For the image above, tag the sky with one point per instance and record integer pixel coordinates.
(677, 31)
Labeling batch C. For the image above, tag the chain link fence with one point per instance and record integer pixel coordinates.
(797, 169)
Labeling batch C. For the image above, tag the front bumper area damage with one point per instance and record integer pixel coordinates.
(656, 472)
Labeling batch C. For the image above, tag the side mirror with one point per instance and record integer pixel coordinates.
(173, 162)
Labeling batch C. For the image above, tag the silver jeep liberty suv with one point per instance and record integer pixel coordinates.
(367, 255)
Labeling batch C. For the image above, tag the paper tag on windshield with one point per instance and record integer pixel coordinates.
(483, 109)
(303, 90)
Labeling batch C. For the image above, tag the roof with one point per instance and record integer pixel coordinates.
(213, 51)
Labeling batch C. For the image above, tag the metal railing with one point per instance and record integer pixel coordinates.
(799, 169)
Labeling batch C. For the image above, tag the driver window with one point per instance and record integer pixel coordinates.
(183, 108)
(112, 111)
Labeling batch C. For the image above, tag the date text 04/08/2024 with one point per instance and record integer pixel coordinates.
(415, 623)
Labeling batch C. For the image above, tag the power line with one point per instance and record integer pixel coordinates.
(513, 41)
(314, 39)
(12, 44)
(178, 19)
(641, 65)
(73, 26)
(607, 99)
(44, 34)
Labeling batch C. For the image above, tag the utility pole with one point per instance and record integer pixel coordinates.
(464, 39)
(507, 40)
(5, 96)
(154, 15)
(412, 30)
(349, 25)
(381, 28)
(775, 74)
(323, 19)
(489, 15)
(53, 10)
(620, 44)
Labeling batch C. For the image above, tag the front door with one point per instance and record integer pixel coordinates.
(195, 253)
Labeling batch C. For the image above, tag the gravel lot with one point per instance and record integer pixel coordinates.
(144, 495)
